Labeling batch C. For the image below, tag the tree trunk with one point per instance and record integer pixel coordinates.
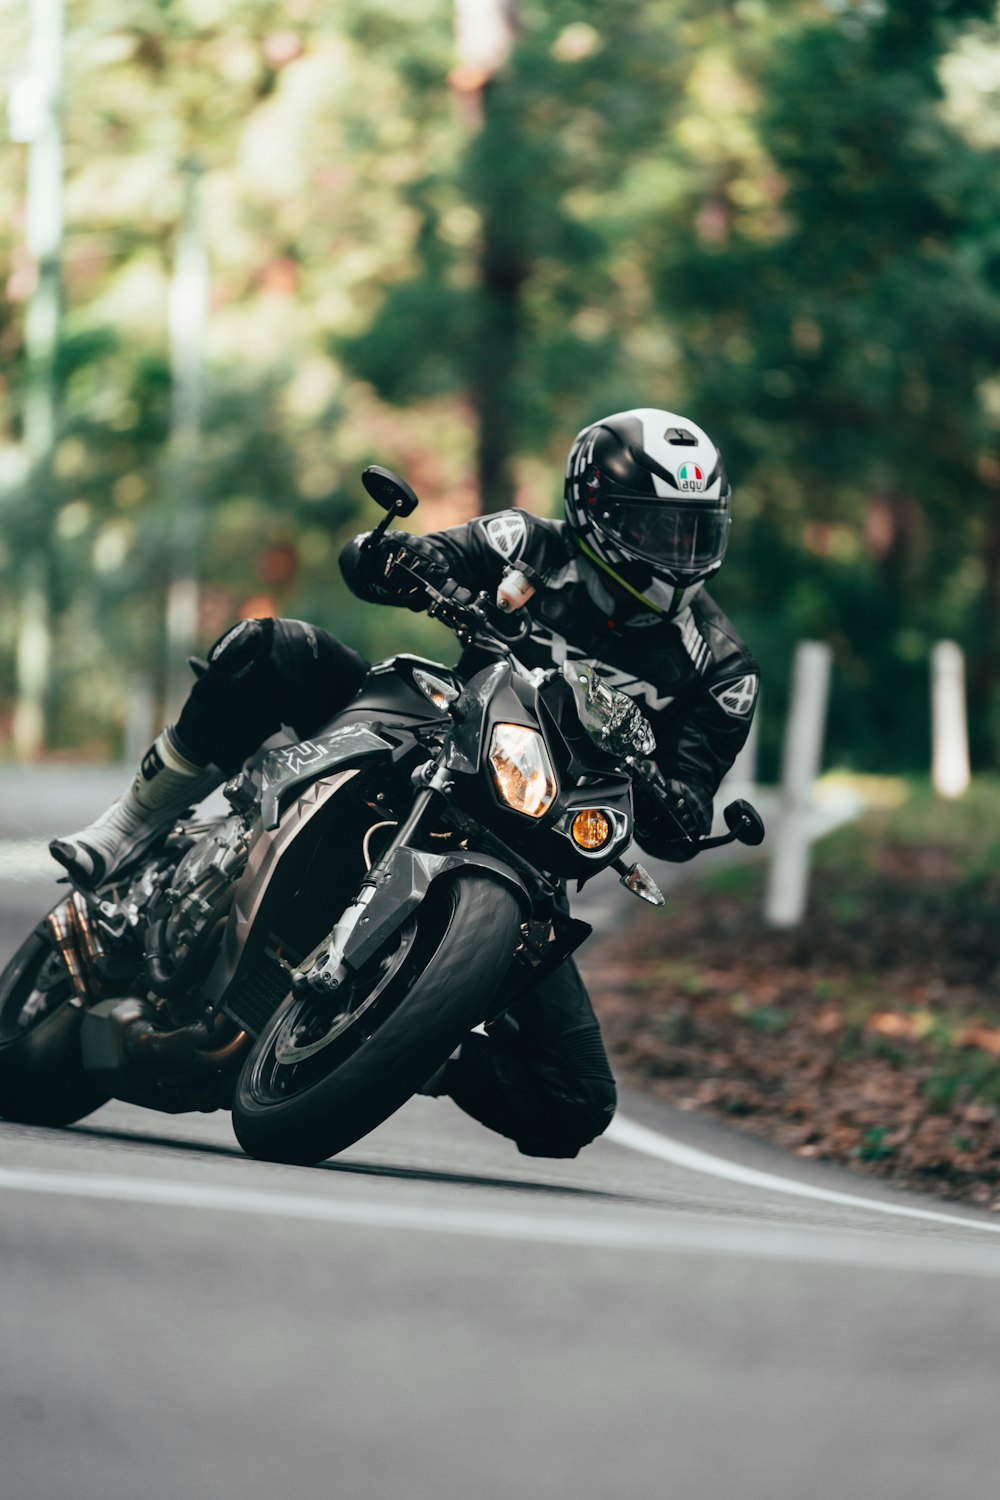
(494, 374)
(485, 32)
(985, 673)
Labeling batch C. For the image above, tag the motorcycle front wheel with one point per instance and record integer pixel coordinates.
(324, 1073)
(42, 1078)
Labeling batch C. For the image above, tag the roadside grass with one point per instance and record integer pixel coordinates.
(871, 1033)
(950, 855)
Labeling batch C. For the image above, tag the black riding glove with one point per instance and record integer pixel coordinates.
(670, 819)
(373, 572)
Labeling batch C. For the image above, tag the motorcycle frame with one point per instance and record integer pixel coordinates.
(318, 770)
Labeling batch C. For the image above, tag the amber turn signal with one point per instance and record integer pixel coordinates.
(591, 829)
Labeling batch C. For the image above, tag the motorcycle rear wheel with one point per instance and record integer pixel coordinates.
(317, 1082)
(42, 1078)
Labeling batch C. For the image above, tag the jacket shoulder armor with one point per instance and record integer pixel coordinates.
(730, 674)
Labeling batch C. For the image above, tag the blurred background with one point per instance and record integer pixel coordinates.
(249, 247)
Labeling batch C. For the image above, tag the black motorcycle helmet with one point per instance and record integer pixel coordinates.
(647, 503)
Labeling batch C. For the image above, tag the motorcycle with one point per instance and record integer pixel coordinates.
(375, 893)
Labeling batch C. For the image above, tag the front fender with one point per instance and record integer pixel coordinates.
(409, 876)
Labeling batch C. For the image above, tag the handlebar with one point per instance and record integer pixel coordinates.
(456, 607)
(743, 821)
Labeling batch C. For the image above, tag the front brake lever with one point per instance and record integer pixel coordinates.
(468, 618)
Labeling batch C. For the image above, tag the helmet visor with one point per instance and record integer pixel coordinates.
(686, 538)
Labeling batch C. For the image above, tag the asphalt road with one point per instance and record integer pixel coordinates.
(679, 1312)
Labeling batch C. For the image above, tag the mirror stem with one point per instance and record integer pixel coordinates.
(379, 531)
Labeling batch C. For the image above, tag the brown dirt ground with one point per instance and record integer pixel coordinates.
(869, 1036)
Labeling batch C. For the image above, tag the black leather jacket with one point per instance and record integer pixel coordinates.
(693, 677)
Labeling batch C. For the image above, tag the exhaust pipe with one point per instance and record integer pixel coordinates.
(62, 930)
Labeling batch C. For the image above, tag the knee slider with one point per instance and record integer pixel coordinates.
(240, 649)
(574, 1123)
(600, 1103)
(593, 1109)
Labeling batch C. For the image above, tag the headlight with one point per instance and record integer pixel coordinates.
(590, 829)
(522, 771)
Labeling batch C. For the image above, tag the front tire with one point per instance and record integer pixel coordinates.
(42, 1078)
(315, 1083)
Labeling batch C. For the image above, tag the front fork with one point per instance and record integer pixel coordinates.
(324, 970)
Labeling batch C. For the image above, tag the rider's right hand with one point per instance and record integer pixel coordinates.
(382, 570)
(368, 559)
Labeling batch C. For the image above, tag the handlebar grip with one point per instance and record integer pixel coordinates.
(652, 777)
(664, 810)
(469, 615)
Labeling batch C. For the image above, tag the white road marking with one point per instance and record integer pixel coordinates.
(26, 859)
(651, 1143)
(809, 1246)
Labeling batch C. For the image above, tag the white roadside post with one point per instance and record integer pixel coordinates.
(949, 723)
(788, 881)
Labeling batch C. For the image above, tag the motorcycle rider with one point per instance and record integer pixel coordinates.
(618, 583)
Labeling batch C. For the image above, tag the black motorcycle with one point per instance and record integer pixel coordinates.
(440, 818)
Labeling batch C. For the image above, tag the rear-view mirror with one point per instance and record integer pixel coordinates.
(389, 491)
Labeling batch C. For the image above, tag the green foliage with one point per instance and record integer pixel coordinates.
(965, 828)
(839, 313)
(782, 219)
(874, 1145)
(960, 1075)
(941, 1090)
(771, 1020)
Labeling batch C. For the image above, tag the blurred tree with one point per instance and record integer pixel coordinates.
(522, 296)
(35, 117)
(769, 215)
(485, 34)
(833, 277)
